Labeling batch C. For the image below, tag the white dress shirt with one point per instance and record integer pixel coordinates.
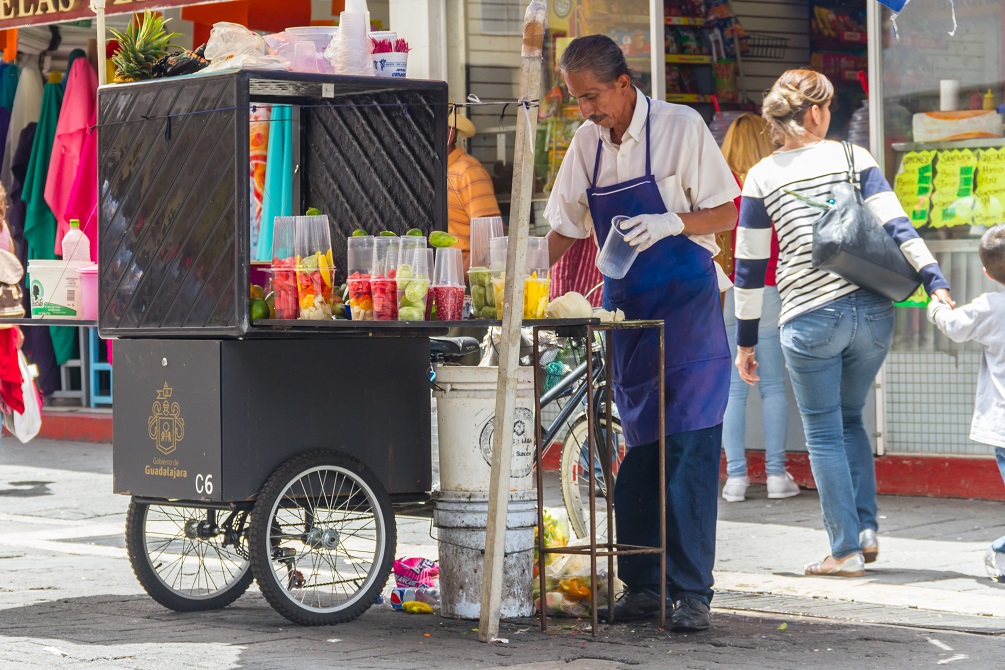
(688, 166)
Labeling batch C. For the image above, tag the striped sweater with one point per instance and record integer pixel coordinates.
(810, 172)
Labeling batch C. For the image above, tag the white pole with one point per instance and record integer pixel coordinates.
(535, 22)
(98, 7)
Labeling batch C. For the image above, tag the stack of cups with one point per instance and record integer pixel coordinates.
(412, 278)
(497, 265)
(284, 267)
(360, 262)
(349, 51)
(537, 284)
(483, 304)
(383, 287)
(448, 287)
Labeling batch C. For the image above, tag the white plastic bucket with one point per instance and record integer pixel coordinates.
(54, 288)
(465, 414)
(460, 519)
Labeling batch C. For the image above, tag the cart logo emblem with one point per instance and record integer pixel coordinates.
(522, 462)
(165, 425)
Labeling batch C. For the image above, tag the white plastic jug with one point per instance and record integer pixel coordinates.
(76, 246)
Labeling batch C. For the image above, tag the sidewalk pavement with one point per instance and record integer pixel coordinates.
(68, 597)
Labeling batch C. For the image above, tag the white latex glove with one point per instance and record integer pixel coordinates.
(648, 229)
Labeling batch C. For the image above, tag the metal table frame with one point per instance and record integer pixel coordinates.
(611, 548)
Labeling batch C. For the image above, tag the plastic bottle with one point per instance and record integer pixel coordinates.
(989, 101)
(76, 246)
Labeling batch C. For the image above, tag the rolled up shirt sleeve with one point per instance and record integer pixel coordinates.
(567, 211)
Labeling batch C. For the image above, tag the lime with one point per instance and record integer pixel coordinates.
(414, 232)
(405, 271)
(312, 211)
(359, 232)
(387, 233)
(259, 310)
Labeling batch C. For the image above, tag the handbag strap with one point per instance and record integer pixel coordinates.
(849, 154)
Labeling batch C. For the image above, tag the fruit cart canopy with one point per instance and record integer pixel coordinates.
(18, 13)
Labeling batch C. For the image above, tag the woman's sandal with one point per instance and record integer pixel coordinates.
(852, 565)
(870, 545)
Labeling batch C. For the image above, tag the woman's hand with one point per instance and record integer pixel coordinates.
(943, 295)
(747, 364)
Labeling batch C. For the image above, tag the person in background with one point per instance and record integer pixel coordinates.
(983, 321)
(747, 141)
(470, 193)
(835, 335)
(657, 163)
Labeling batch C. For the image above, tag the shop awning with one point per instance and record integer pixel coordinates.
(21, 13)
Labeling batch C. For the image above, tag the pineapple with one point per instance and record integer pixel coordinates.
(140, 46)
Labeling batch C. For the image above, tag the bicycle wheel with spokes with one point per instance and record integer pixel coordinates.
(322, 538)
(188, 559)
(575, 475)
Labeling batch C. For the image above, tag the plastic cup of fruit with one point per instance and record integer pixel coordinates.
(360, 298)
(535, 296)
(498, 289)
(315, 280)
(384, 292)
(284, 287)
(449, 302)
(412, 295)
(483, 300)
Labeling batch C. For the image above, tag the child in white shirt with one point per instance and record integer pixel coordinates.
(983, 321)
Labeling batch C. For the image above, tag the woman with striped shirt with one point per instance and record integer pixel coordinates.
(834, 334)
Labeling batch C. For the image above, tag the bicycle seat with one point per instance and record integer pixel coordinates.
(452, 347)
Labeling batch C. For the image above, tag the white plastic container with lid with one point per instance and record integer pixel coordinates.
(76, 246)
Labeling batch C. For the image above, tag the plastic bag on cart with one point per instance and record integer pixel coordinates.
(233, 47)
(26, 426)
(567, 582)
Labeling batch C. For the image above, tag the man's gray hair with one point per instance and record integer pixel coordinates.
(597, 54)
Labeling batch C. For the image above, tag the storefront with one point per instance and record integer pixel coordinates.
(946, 170)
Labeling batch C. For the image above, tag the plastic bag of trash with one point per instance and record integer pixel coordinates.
(556, 533)
(416, 573)
(567, 582)
(233, 47)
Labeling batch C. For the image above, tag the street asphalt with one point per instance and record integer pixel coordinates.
(68, 597)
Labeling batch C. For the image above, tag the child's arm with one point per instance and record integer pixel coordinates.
(962, 324)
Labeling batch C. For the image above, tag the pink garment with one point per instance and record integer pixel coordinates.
(82, 202)
(79, 105)
(5, 242)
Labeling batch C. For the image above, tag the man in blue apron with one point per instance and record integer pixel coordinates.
(658, 164)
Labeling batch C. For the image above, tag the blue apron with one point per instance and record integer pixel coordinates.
(673, 281)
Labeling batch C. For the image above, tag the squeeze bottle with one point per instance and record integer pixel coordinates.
(76, 246)
(989, 100)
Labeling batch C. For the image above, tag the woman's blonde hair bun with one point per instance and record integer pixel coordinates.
(794, 92)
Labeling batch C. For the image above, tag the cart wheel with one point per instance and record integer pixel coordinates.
(322, 538)
(575, 476)
(189, 559)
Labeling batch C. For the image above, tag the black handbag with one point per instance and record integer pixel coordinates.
(850, 242)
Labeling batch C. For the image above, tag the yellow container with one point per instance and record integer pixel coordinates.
(535, 297)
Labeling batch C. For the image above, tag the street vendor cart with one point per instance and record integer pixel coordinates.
(268, 449)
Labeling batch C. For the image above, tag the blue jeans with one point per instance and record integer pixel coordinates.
(999, 544)
(692, 490)
(774, 403)
(840, 347)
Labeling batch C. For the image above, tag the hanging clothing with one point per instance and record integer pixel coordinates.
(10, 371)
(260, 117)
(278, 196)
(70, 60)
(82, 203)
(40, 223)
(25, 110)
(77, 110)
(8, 85)
(37, 341)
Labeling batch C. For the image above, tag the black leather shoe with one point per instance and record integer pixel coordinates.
(632, 605)
(689, 614)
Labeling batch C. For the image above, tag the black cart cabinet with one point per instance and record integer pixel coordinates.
(210, 420)
(272, 451)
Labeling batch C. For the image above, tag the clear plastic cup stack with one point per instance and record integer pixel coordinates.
(284, 267)
(448, 284)
(359, 265)
(383, 270)
(412, 279)
(537, 284)
(315, 269)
